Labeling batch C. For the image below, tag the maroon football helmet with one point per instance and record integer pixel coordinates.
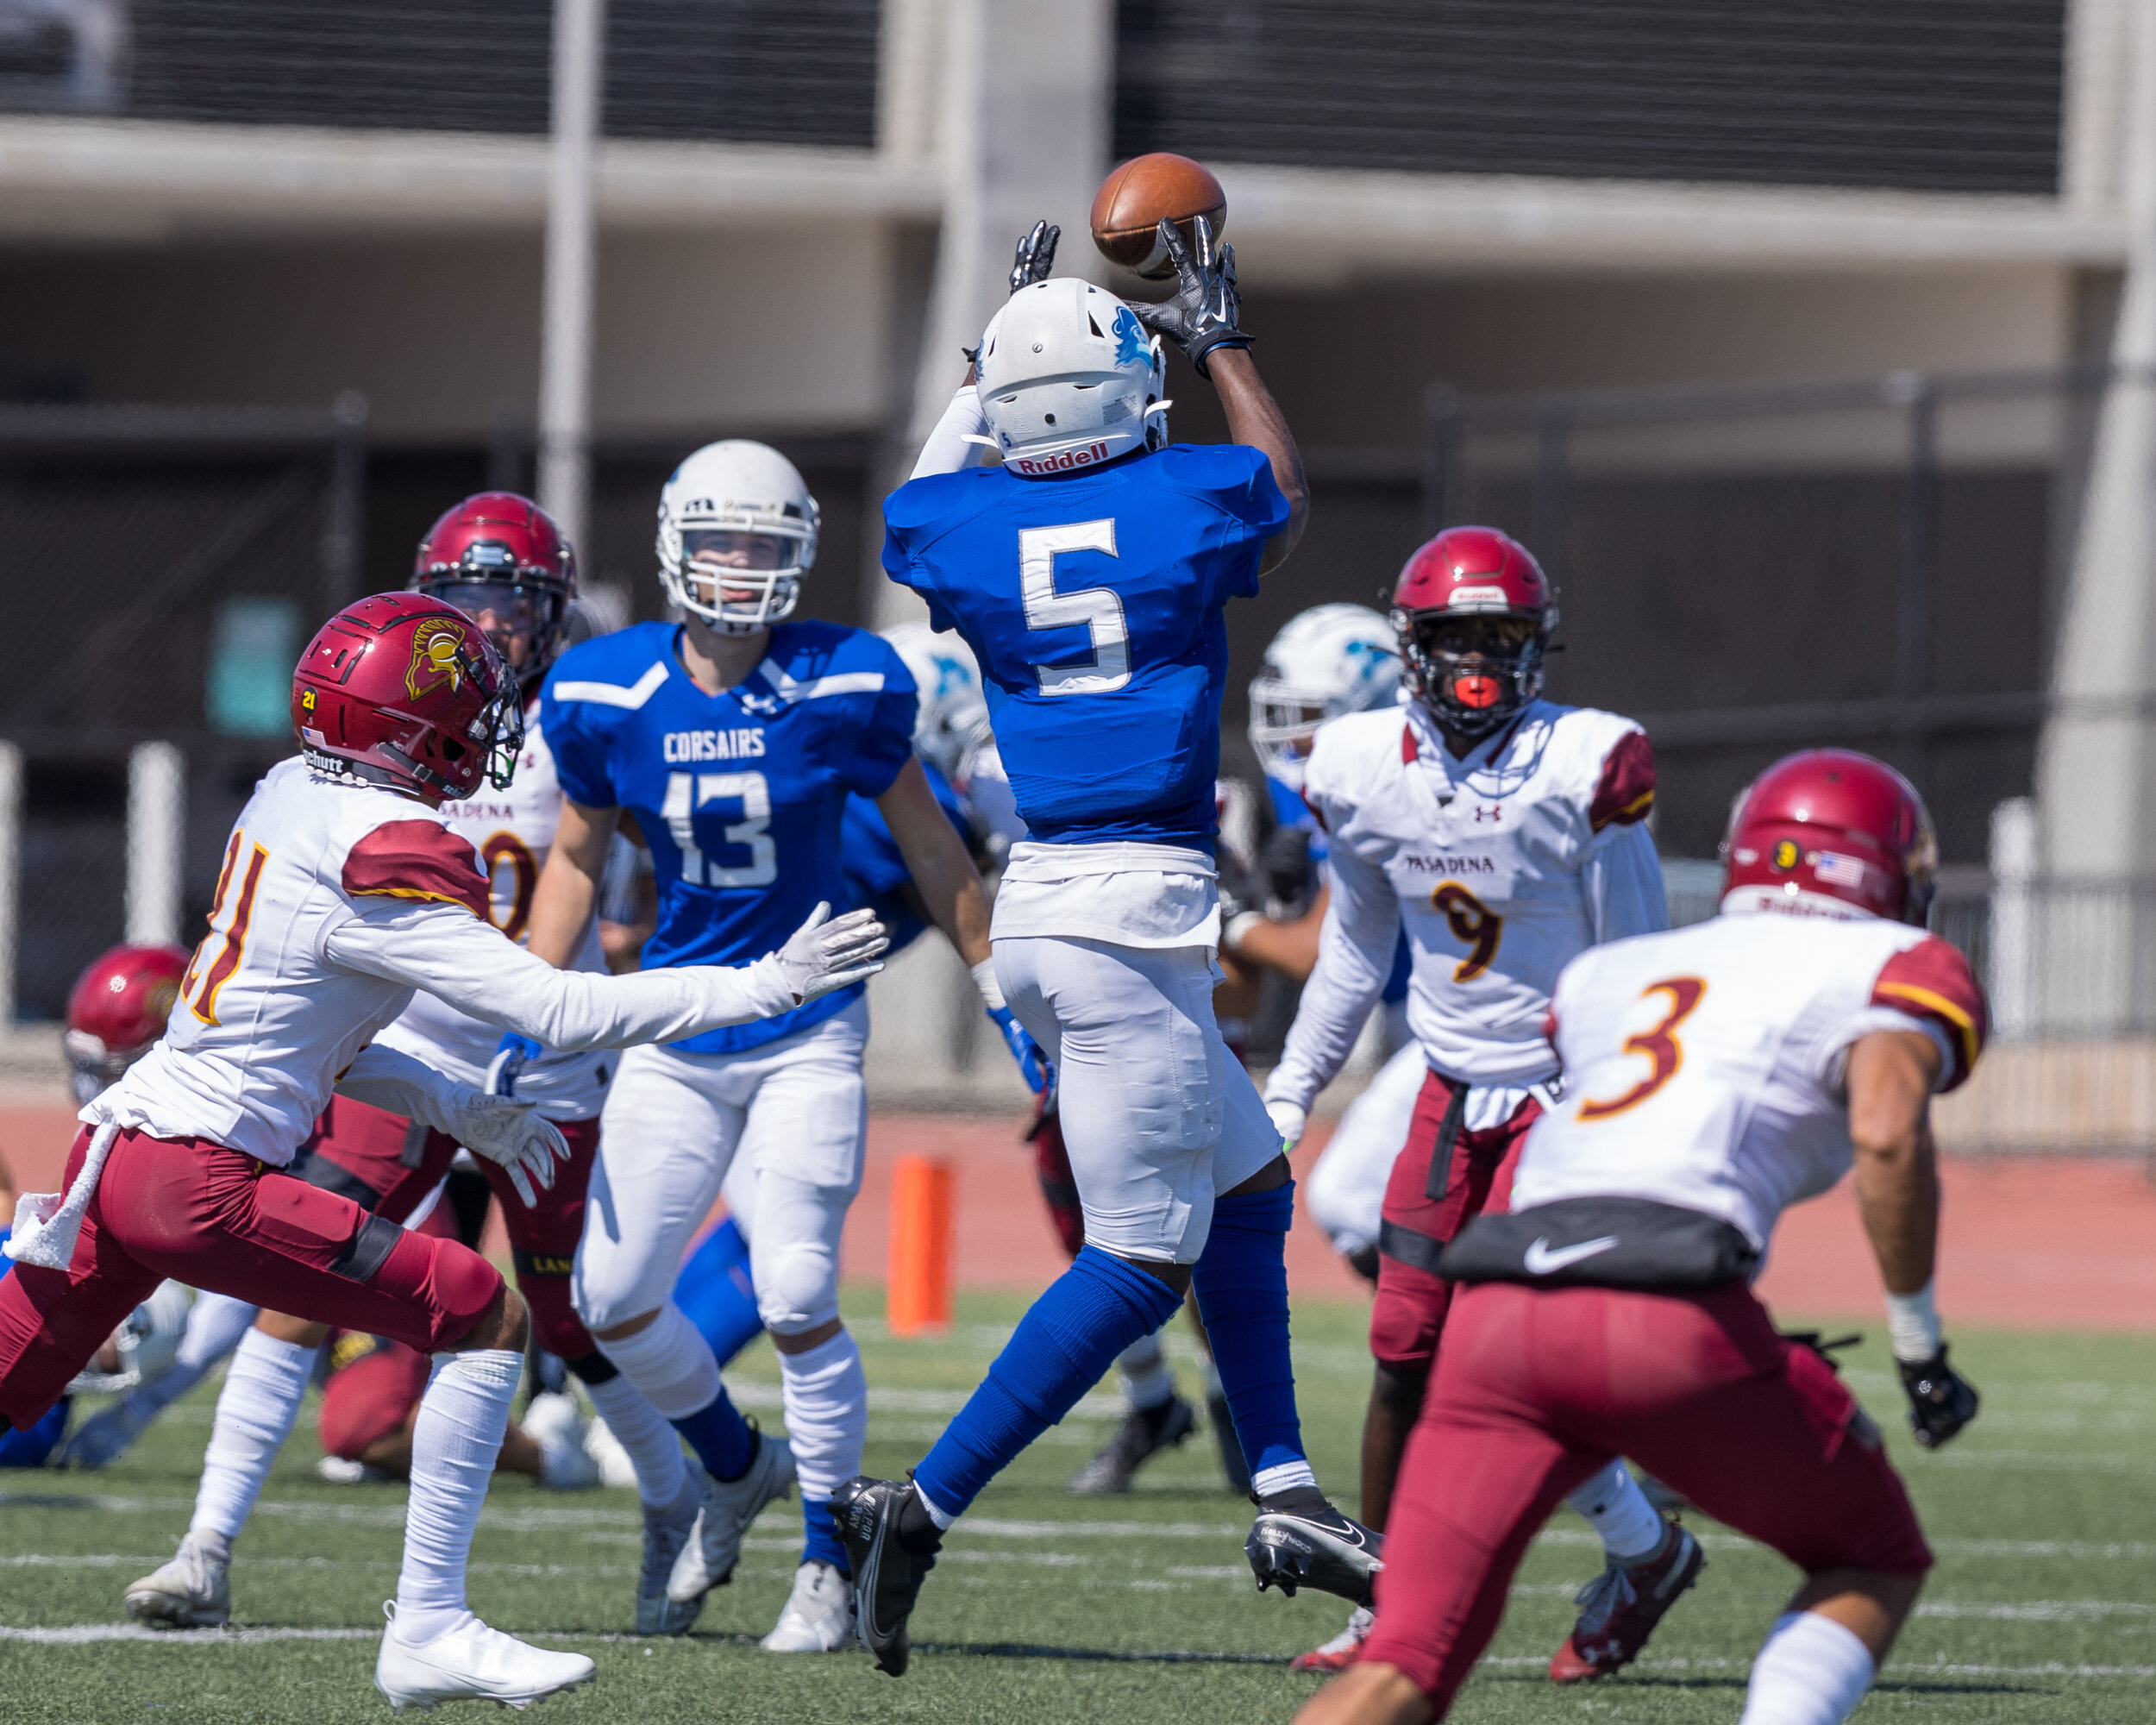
(406, 692)
(1832, 827)
(500, 558)
(118, 1011)
(1474, 613)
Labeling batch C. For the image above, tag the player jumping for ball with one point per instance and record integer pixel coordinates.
(1089, 574)
(1713, 1075)
(344, 890)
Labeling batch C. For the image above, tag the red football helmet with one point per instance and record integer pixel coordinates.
(406, 691)
(118, 1011)
(1474, 613)
(500, 558)
(1831, 827)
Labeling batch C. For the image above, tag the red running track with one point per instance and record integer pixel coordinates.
(2034, 1243)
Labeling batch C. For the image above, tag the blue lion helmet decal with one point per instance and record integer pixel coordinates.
(950, 674)
(1131, 342)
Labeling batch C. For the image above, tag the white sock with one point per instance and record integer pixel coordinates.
(256, 1410)
(1288, 1476)
(654, 1446)
(215, 1325)
(1812, 1672)
(670, 1363)
(454, 1443)
(1147, 1381)
(1631, 1529)
(826, 1400)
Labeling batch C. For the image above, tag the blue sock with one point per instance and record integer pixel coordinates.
(29, 1447)
(715, 1293)
(1241, 1280)
(1066, 1340)
(721, 1438)
(822, 1543)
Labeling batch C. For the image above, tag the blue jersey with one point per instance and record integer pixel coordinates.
(740, 795)
(1093, 601)
(1290, 811)
(875, 871)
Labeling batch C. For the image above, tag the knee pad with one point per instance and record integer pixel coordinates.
(797, 1288)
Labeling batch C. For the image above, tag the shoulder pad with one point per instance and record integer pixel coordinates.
(1932, 980)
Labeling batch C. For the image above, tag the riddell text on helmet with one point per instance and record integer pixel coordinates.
(1060, 463)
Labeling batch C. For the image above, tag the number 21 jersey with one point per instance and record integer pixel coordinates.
(740, 794)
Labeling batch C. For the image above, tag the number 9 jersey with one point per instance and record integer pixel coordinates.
(741, 795)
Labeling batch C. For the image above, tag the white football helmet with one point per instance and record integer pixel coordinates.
(953, 718)
(1330, 659)
(1069, 379)
(735, 488)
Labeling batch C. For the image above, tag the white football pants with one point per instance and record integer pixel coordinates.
(1157, 1115)
(673, 1124)
(1347, 1187)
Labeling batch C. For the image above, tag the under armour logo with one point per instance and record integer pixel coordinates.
(1490, 812)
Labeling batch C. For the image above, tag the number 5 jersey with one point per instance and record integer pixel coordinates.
(1501, 866)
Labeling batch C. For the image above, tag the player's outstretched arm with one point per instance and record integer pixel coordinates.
(1892, 1074)
(1255, 418)
(568, 894)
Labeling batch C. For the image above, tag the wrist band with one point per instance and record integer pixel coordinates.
(1239, 925)
(984, 978)
(1912, 1325)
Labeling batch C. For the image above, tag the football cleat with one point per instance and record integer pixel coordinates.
(729, 1505)
(1342, 1650)
(552, 1423)
(1144, 1433)
(105, 1436)
(819, 1616)
(193, 1591)
(471, 1663)
(1231, 1446)
(615, 1468)
(886, 1576)
(338, 1470)
(1619, 1607)
(666, 1535)
(1312, 1545)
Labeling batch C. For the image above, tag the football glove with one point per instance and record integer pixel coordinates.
(828, 953)
(1036, 258)
(1202, 313)
(510, 1060)
(1033, 1062)
(1289, 1121)
(507, 1133)
(1941, 1401)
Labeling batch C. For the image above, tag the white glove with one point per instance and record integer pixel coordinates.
(506, 1131)
(1289, 1121)
(829, 952)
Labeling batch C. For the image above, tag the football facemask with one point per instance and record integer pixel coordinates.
(1476, 671)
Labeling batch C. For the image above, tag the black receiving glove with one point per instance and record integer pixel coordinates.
(1204, 312)
(1036, 256)
(1941, 1401)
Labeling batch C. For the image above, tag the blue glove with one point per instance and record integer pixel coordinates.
(510, 1060)
(1033, 1065)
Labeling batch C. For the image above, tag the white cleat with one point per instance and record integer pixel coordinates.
(667, 1533)
(471, 1663)
(615, 1468)
(193, 1591)
(819, 1616)
(552, 1423)
(729, 1505)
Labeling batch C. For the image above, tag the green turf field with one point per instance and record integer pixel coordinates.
(1047, 1608)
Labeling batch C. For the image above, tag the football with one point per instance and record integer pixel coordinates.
(1135, 199)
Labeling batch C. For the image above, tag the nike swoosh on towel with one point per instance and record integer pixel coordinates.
(1539, 1260)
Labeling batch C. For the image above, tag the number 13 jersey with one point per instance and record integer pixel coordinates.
(1501, 866)
(740, 794)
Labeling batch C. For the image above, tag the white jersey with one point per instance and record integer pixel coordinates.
(336, 901)
(1704, 1067)
(512, 830)
(1501, 866)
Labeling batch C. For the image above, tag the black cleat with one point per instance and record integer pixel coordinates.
(1231, 1446)
(1144, 1433)
(886, 1576)
(1303, 1541)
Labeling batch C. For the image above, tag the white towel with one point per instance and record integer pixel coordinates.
(46, 1226)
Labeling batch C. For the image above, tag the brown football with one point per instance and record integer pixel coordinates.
(1140, 195)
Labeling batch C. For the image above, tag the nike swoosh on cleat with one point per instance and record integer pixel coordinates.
(1539, 1260)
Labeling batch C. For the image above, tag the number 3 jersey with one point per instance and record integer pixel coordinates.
(740, 794)
(512, 831)
(1501, 867)
(1704, 1067)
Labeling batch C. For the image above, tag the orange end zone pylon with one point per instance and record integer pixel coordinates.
(919, 1301)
